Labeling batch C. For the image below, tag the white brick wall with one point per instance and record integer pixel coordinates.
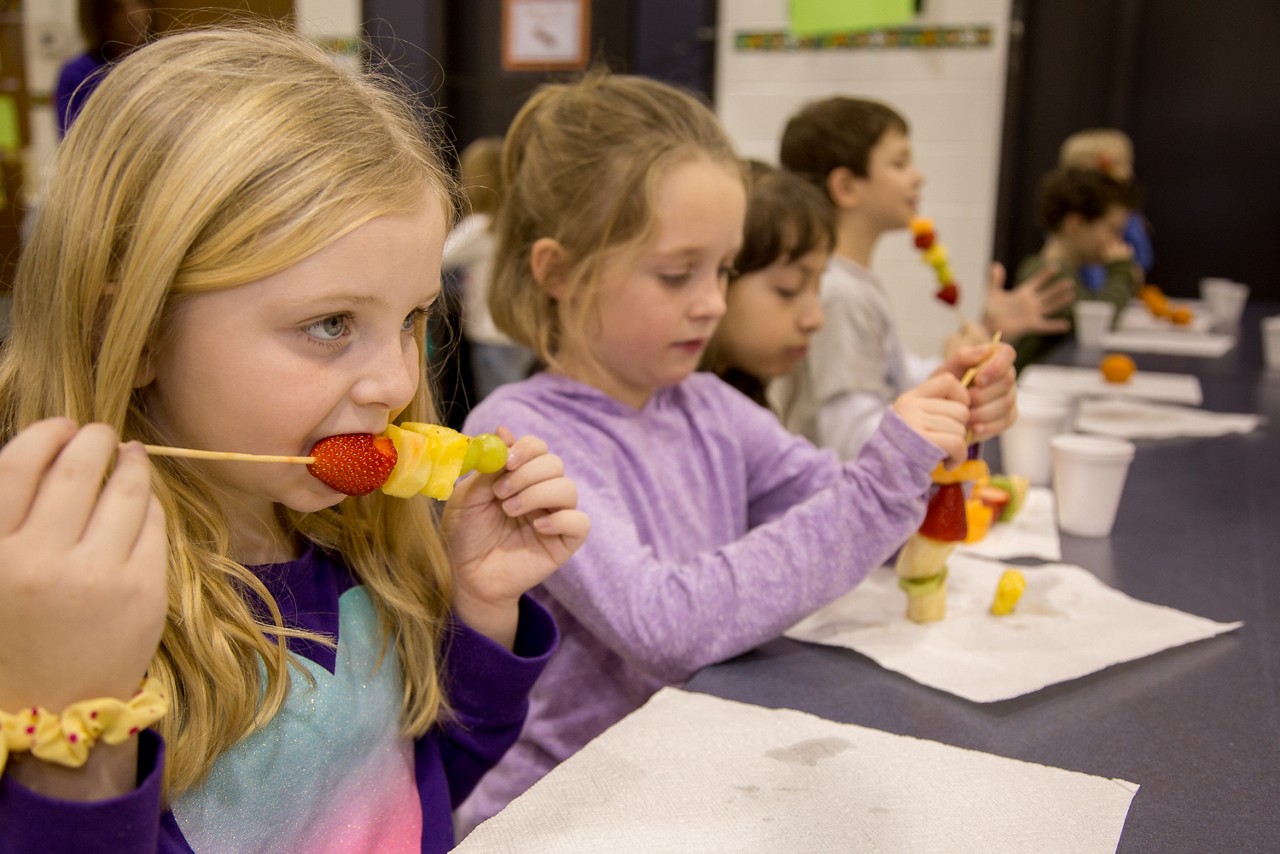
(953, 100)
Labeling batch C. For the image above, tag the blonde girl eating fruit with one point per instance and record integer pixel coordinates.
(237, 251)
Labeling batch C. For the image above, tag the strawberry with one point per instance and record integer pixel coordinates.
(945, 517)
(353, 463)
(924, 240)
(949, 293)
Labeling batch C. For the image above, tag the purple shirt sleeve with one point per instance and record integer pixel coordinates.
(740, 531)
(130, 823)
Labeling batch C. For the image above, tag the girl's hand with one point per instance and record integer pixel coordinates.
(82, 567)
(938, 410)
(993, 392)
(507, 532)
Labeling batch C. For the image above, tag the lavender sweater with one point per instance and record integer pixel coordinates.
(713, 530)
(330, 772)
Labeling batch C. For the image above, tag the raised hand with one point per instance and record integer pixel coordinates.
(1031, 307)
(508, 531)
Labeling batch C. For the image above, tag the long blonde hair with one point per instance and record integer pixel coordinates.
(580, 165)
(205, 161)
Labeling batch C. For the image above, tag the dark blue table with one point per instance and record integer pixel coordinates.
(1198, 727)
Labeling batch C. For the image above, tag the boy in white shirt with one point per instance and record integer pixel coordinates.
(859, 153)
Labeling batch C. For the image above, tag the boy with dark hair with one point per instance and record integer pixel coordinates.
(859, 153)
(1083, 213)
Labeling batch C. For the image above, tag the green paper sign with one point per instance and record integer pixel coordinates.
(815, 17)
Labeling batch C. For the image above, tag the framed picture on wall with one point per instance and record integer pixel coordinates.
(541, 35)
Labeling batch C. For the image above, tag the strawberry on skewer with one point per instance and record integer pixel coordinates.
(404, 461)
(353, 463)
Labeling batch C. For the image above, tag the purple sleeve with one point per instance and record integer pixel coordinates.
(488, 690)
(130, 823)
(675, 616)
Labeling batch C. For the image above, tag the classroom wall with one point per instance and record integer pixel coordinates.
(953, 99)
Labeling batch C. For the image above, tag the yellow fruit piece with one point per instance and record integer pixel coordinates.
(413, 463)
(1117, 368)
(1008, 591)
(979, 517)
(967, 470)
(935, 255)
(445, 450)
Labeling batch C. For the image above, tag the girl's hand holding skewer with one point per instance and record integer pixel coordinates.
(508, 531)
(82, 566)
(938, 409)
(987, 371)
(83, 596)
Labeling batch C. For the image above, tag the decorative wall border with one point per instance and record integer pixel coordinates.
(887, 38)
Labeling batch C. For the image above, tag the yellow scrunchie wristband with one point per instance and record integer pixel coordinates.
(65, 739)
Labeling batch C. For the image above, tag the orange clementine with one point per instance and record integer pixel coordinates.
(1117, 368)
(1181, 316)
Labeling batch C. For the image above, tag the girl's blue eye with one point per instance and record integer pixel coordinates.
(675, 279)
(330, 328)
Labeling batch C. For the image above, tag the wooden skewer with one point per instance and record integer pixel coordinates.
(973, 372)
(191, 453)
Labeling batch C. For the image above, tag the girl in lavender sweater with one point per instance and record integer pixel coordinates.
(713, 528)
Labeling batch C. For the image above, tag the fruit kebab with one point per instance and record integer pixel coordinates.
(406, 460)
(922, 563)
(935, 255)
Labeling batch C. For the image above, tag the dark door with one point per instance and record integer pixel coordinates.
(1197, 87)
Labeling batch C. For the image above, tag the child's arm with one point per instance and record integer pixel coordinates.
(509, 531)
(1121, 282)
(670, 614)
(82, 589)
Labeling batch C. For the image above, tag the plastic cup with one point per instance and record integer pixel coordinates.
(1088, 479)
(1092, 322)
(1024, 447)
(1271, 342)
(1225, 300)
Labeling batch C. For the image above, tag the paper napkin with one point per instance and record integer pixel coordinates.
(1134, 419)
(1068, 624)
(693, 773)
(1079, 382)
(1032, 533)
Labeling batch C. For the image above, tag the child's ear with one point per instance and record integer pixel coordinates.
(843, 188)
(146, 372)
(547, 259)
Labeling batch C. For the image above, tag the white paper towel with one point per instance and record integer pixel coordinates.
(693, 773)
(1068, 624)
(1173, 342)
(1076, 381)
(1136, 316)
(1032, 533)
(1133, 419)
